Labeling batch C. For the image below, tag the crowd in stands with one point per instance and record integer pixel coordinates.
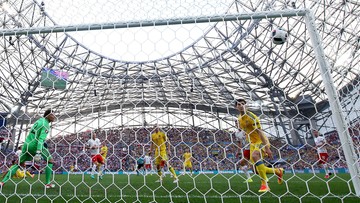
(211, 149)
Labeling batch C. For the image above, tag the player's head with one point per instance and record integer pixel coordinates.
(156, 128)
(240, 105)
(93, 135)
(49, 115)
(315, 133)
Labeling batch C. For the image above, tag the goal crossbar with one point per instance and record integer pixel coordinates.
(150, 23)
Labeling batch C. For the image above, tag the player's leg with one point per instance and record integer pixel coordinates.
(157, 163)
(190, 168)
(24, 156)
(29, 174)
(260, 167)
(323, 163)
(102, 168)
(171, 169)
(137, 169)
(244, 162)
(244, 167)
(48, 169)
(270, 170)
(93, 169)
(100, 162)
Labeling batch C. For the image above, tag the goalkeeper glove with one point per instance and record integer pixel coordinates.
(37, 157)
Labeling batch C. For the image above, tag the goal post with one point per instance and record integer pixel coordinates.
(352, 158)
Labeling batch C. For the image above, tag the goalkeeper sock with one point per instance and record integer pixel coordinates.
(261, 168)
(159, 173)
(10, 173)
(48, 173)
(173, 172)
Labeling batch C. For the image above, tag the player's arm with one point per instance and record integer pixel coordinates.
(265, 141)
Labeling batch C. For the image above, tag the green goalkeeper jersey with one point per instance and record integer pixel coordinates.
(38, 133)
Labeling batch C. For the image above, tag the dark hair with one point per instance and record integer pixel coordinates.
(47, 112)
(239, 101)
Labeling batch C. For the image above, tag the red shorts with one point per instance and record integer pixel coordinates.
(148, 166)
(323, 157)
(97, 158)
(246, 153)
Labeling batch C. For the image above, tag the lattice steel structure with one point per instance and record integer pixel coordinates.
(231, 60)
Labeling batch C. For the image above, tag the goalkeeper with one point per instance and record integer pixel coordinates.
(33, 148)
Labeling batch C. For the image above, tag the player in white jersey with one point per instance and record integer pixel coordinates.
(320, 143)
(148, 165)
(18, 152)
(244, 150)
(94, 146)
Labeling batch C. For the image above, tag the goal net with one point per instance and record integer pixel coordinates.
(133, 73)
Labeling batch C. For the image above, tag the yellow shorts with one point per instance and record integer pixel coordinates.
(160, 157)
(187, 164)
(19, 174)
(257, 147)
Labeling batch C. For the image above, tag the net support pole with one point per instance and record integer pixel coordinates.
(351, 157)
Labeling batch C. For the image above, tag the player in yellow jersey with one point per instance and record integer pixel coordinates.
(103, 152)
(19, 173)
(250, 124)
(187, 161)
(158, 144)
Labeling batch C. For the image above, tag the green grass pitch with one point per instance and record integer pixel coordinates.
(198, 188)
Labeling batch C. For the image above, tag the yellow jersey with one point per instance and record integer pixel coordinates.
(72, 168)
(249, 122)
(159, 140)
(104, 151)
(187, 157)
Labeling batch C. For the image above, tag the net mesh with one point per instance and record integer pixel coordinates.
(183, 78)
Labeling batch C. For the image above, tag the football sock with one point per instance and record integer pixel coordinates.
(48, 172)
(261, 168)
(173, 172)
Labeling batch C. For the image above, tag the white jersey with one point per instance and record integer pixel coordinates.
(147, 159)
(96, 144)
(241, 137)
(28, 163)
(18, 153)
(320, 142)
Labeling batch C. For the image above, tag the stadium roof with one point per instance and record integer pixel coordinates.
(227, 60)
